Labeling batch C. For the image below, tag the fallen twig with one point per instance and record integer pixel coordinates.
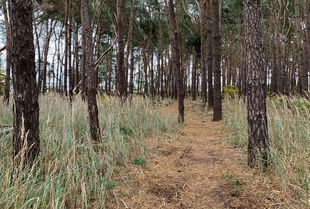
(185, 152)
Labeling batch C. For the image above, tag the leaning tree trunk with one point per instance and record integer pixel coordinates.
(90, 74)
(217, 110)
(176, 56)
(258, 147)
(26, 107)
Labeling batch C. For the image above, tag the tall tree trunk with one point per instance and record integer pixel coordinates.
(159, 53)
(274, 28)
(258, 147)
(203, 34)
(83, 68)
(210, 51)
(194, 78)
(49, 33)
(71, 71)
(176, 57)
(6, 90)
(300, 54)
(145, 69)
(306, 62)
(38, 47)
(26, 140)
(91, 73)
(65, 77)
(131, 48)
(120, 74)
(76, 57)
(217, 112)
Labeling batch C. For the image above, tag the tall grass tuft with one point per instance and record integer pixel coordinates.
(71, 171)
(289, 132)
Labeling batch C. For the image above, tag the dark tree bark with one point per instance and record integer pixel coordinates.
(49, 33)
(90, 74)
(306, 62)
(274, 75)
(176, 57)
(159, 53)
(71, 71)
(258, 147)
(120, 74)
(65, 76)
(76, 57)
(203, 59)
(194, 75)
(145, 68)
(209, 54)
(217, 110)
(26, 140)
(38, 48)
(6, 90)
(131, 48)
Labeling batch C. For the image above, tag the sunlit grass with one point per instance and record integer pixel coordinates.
(72, 172)
(289, 132)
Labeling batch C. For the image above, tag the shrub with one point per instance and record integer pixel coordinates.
(2, 79)
(300, 106)
(72, 171)
(231, 92)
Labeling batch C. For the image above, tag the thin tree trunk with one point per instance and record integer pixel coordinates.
(131, 48)
(76, 57)
(203, 34)
(210, 51)
(217, 113)
(71, 71)
(49, 33)
(120, 77)
(176, 57)
(6, 90)
(194, 78)
(65, 77)
(83, 70)
(274, 27)
(91, 74)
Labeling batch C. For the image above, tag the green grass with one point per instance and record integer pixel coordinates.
(71, 171)
(289, 132)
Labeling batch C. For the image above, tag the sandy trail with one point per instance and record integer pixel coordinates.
(196, 168)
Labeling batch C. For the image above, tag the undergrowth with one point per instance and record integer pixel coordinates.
(289, 133)
(71, 171)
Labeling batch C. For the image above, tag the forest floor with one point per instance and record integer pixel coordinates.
(195, 167)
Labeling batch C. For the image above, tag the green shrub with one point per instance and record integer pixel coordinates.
(2, 79)
(300, 106)
(231, 92)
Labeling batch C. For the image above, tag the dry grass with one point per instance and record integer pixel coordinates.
(71, 171)
(289, 131)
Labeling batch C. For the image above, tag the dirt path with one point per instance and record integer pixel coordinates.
(194, 169)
